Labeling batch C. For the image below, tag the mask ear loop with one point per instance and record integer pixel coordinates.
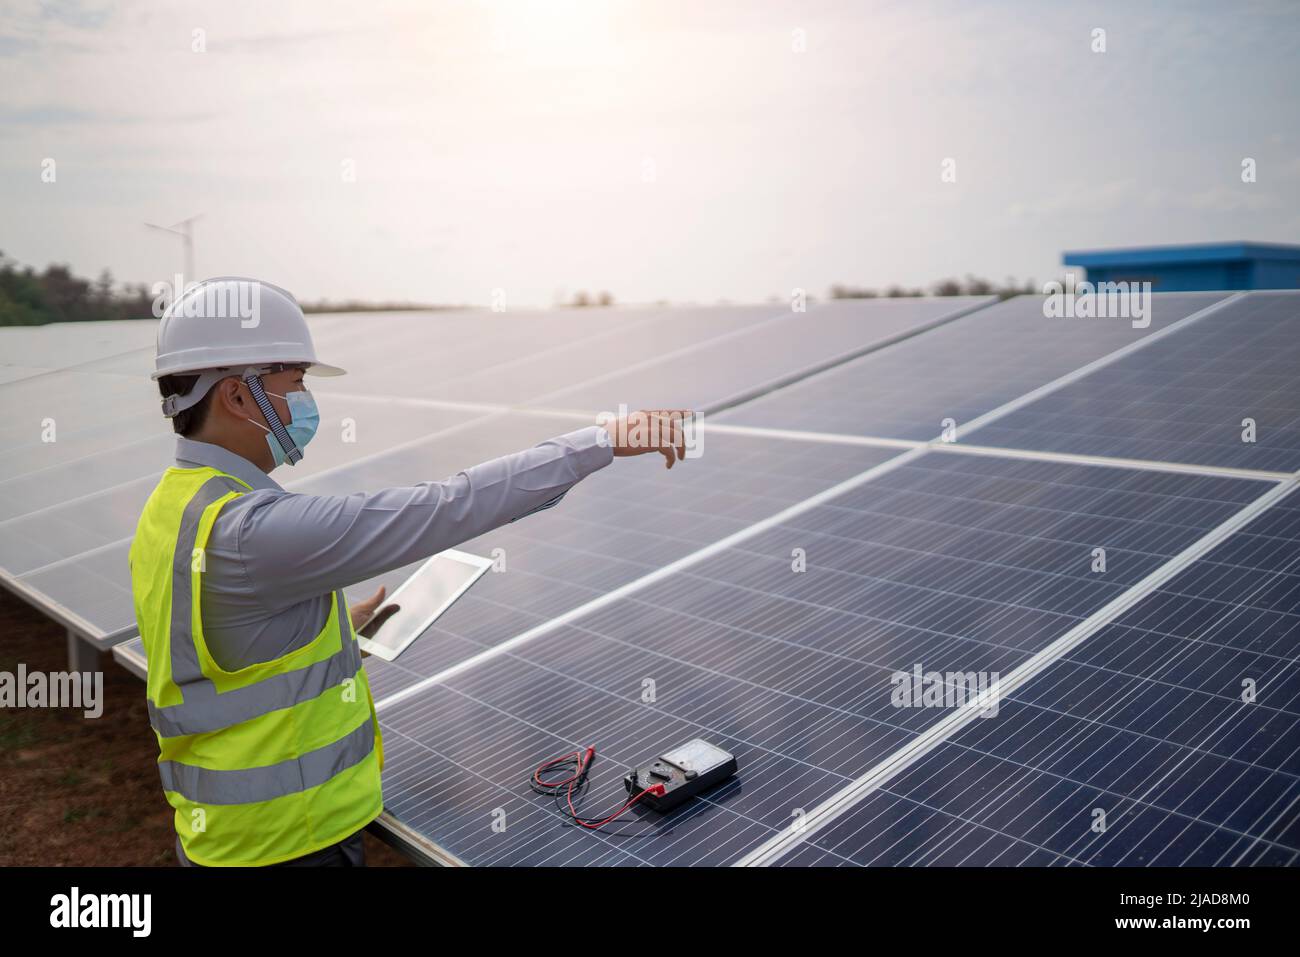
(292, 453)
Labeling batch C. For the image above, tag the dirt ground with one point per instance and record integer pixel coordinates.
(75, 791)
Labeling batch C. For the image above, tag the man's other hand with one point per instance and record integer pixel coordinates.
(649, 430)
(360, 612)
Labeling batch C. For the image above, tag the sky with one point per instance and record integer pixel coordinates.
(683, 151)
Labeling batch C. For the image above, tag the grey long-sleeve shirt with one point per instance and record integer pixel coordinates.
(274, 556)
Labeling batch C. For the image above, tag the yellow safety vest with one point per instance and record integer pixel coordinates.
(266, 763)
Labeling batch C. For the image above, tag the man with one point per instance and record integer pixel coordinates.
(270, 750)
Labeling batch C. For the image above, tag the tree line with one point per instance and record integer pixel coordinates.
(31, 298)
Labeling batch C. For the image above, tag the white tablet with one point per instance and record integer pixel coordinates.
(419, 601)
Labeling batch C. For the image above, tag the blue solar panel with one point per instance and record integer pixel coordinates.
(1185, 398)
(960, 370)
(1136, 748)
(957, 562)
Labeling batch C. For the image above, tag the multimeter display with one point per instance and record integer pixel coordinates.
(697, 755)
(684, 772)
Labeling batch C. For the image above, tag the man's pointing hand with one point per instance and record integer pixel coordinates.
(649, 430)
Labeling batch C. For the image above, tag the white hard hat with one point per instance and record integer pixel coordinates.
(231, 323)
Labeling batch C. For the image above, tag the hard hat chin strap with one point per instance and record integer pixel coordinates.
(292, 454)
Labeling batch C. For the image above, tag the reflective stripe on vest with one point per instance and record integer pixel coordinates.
(251, 785)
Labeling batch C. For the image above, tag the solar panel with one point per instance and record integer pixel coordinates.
(510, 358)
(1136, 748)
(12, 373)
(962, 563)
(959, 371)
(69, 345)
(1185, 399)
(65, 416)
(728, 369)
(772, 594)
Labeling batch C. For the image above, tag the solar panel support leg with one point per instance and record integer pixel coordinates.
(82, 655)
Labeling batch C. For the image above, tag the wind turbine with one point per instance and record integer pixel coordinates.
(185, 230)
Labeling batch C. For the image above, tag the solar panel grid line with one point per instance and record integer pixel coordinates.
(1100, 363)
(90, 362)
(800, 435)
(992, 451)
(76, 500)
(77, 461)
(937, 595)
(651, 578)
(614, 332)
(1041, 691)
(1208, 644)
(799, 375)
(454, 406)
(776, 847)
(884, 509)
(930, 848)
(655, 358)
(1140, 800)
(1189, 400)
(1005, 792)
(1169, 665)
(928, 856)
(1075, 458)
(1203, 643)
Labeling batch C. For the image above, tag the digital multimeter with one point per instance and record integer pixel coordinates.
(684, 772)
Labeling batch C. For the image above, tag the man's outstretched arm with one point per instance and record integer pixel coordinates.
(295, 547)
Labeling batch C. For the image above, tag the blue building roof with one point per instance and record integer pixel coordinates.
(1201, 266)
(1194, 253)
